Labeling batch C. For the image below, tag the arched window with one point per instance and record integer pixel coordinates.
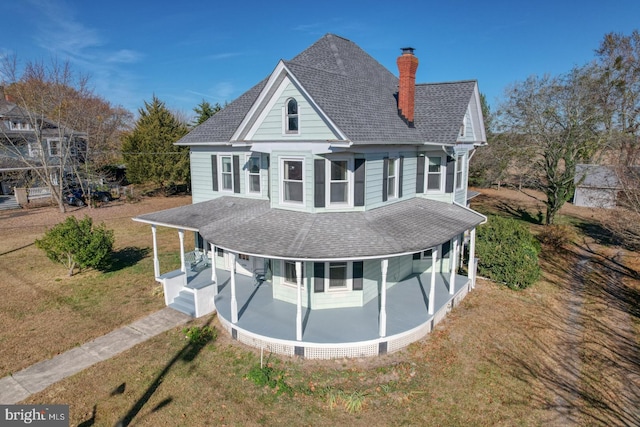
(291, 119)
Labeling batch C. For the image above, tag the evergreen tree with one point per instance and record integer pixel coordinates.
(204, 110)
(148, 150)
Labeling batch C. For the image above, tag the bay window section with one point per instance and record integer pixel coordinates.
(339, 182)
(392, 179)
(292, 181)
(337, 275)
(435, 174)
(226, 172)
(289, 273)
(253, 169)
(459, 171)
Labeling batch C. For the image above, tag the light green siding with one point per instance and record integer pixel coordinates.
(289, 292)
(311, 125)
(202, 179)
(336, 299)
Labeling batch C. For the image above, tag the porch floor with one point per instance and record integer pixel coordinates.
(260, 313)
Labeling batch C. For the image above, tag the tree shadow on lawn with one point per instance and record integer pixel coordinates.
(187, 353)
(589, 371)
(520, 213)
(126, 257)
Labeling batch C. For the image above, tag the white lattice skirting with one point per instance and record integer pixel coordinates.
(369, 348)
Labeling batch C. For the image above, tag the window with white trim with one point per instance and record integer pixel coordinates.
(19, 125)
(291, 117)
(34, 149)
(426, 255)
(292, 180)
(289, 274)
(54, 147)
(459, 171)
(392, 179)
(253, 175)
(338, 182)
(226, 172)
(435, 174)
(338, 275)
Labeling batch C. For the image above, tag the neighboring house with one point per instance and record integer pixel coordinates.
(21, 151)
(596, 186)
(330, 198)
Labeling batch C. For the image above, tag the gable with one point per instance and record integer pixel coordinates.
(270, 123)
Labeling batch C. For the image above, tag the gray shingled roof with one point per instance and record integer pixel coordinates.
(251, 226)
(596, 176)
(359, 96)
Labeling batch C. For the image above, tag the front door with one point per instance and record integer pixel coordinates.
(248, 265)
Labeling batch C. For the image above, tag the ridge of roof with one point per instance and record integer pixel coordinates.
(358, 94)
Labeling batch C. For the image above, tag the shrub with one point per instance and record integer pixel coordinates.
(200, 336)
(268, 375)
(74, 243)
(508, 252)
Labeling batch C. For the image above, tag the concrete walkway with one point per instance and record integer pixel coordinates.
(35, 378)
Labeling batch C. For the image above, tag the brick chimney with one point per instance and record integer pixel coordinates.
(407, 66)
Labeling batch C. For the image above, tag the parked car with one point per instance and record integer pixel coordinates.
(75, 196)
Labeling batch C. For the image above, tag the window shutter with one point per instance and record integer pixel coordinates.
(385, 179)
(400, 171)
(451, 174)
(446, 248)
(199, 241)
(236, 174)
(420, 175)
(358, 270)
(214, 172)
(318, 277)
(359, 178)
(319, 183)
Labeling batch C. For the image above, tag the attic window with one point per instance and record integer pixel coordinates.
(291, 116)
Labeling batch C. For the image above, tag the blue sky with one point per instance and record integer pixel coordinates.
(186, 51)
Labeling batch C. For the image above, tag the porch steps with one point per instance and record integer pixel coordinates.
(8, 202)
(184, 303)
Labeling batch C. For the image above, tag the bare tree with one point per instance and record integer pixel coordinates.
(558, 118)
(618, 62)
(57, 128)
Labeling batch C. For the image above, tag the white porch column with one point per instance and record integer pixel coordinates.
(299, 301)
(384, 266)
(452, 261)
(432, 289)
(183, 267)
(156, 262)
(472, 258)
(214, 274)
(234, 301)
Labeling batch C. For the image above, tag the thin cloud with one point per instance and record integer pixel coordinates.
(126, 56)
(226, 55)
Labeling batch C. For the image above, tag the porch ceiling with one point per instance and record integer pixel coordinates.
(251, 226)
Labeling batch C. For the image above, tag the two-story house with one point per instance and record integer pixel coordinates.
(31, 146)
(329, 206)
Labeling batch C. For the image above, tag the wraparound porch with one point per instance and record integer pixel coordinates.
(268, 323)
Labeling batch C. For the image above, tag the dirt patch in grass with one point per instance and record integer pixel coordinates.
(45, 312)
